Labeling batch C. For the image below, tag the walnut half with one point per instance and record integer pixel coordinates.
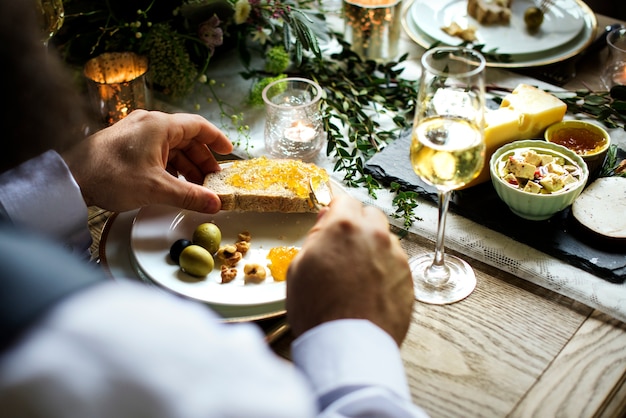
(228, 255)
(242, 247)
(228, 274)
(454, 29)
(253, 273)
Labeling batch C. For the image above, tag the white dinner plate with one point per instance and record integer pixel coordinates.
(562, 22)
(156, 228)
(116, 261)
(515, 38)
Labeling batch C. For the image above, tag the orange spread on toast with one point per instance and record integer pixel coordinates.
(261, 173)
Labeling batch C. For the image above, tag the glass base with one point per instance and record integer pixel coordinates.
(458, 286)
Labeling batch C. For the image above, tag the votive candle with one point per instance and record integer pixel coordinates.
(372, 27)
(116, 83)
(293, 124)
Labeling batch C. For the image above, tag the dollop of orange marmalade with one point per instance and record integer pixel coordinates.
(280, 258)
(580, 140)
(261, 173)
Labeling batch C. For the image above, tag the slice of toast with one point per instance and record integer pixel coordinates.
(266, 185)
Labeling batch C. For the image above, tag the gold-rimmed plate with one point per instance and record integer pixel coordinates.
(117, 261)
(157, 227)
(416, 12)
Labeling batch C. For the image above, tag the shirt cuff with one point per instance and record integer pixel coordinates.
(350, 353)
(41, 194)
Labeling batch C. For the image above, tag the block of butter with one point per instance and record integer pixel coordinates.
(523, 114)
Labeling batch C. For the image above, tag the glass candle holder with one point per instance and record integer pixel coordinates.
(373, 27)
(615, 70)
(293, 124)
(116, 84)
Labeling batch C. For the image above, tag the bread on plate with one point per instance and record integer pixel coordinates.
(266, 185)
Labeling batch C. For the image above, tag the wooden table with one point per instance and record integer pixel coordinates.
(515, 349)
(511, 349)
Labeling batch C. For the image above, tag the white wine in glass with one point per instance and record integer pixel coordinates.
(447, 152)
(51, 15)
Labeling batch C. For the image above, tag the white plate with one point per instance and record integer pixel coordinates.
(562, 22)
(115, 259)
(156, 228)
(532, 59)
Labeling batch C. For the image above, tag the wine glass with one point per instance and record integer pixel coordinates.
(51, 16)
(447, 152)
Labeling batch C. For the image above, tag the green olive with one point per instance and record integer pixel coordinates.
(533, 17)
(207, 235)
(196, 260)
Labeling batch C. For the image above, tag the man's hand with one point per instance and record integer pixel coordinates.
(350, 266)
(136, 162)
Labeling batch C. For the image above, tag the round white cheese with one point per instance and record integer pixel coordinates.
(601, 207)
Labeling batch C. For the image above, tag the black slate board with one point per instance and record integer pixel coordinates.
(560, 236)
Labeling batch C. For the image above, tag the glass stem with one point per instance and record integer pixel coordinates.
(437, 274)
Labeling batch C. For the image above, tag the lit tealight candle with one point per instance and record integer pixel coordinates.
(293, 125)
(300, 132)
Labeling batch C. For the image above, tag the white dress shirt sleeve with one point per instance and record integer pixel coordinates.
(355, 369)
(42, 195)
(121, 350)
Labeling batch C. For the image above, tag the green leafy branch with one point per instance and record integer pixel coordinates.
(359, 96)
(357, 93)
(302, 25)
(405, 203)
(607, 107)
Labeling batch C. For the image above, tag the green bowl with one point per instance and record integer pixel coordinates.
(532, 206)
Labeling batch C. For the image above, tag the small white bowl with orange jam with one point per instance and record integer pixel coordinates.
(586, 139)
